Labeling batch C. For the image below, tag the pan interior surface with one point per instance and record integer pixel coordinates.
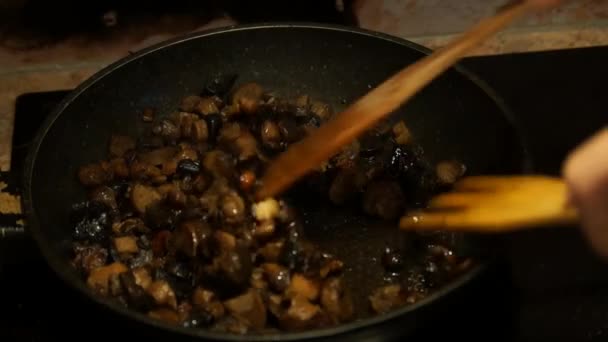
(453, 118)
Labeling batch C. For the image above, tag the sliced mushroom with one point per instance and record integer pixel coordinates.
(192, 238)
(208, 301)
(104, 195)
(89, 257)
(233, 208)
(249, 308)
(247, 97)
(277, 276)
(304, 287)
(271, 251)
(162, 293)
(264, 229)
(98, 279)
(336, 300)
(93, 175)
(321, 109)
(300, 314)
(126, 245)
(208, 105)
(448, 172)
(159, 156)
(401, 133)
(189, 103)
(142, 196)
(387, 298)
(331, 267)
(271, 134)
(120, 144)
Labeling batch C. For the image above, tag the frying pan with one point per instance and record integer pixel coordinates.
(455, 117)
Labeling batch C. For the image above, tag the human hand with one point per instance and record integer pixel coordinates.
(586, 175)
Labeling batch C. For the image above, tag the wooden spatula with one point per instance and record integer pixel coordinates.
(340, 131)
(496, 204)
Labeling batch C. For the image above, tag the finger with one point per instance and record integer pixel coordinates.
(458, 200)
(586, 175)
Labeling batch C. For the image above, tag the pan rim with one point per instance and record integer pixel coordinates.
(34, 227)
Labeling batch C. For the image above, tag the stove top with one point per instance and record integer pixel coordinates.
(547, 287)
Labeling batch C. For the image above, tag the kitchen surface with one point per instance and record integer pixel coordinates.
(550, 71)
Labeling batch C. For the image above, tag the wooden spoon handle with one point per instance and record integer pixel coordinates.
(327, 140)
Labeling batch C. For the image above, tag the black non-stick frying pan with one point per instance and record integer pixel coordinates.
(456, 117)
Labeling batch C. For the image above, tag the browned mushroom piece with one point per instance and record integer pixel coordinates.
(246, 146)
(192, 238)
(159, 156)
(119, 167)
(448, 172)
(336, 300)
(303, 287)
(384, 199)
(387, 298)
(89, 257)
(231, 268)
(321, 109)
(224, 240)
(142, 277)
(94, 175)
(264, 229)
(142, 196)
(257, 281)
(402, 134)
(143, 171)
(189, 103)
(147, 115)
(167, 129)
(278, 276)
(135, 293)
(219, 164)
(176, 198)
(233, 208)
(200, 183)
(126, 244)
(300, 314)
(248, 308)
(120, 144)
(208, 301)
(160, 243)
(104, 195)
(99, 278)
(331, 267)
(162, 293)
(271, 134)
(208, 105)
(248, 97)
(199, 131)
(271, 251)
(303, 101)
